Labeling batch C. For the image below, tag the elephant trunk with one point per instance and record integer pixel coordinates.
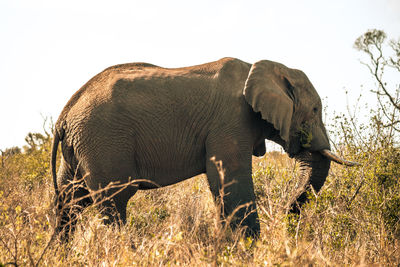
(314, 169)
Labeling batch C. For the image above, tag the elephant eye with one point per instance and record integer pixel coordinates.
(315, 110)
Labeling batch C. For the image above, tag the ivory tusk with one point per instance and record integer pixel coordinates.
(330, 155)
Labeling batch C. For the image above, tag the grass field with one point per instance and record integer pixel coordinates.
(353, 221)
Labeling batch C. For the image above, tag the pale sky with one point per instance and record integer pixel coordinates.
(49, 49)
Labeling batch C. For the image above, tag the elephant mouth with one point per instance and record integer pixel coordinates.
(295, 148)
(331, 156)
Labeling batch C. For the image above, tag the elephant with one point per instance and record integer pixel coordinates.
(148, 126)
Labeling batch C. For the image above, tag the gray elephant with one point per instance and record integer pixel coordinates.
(150, 127)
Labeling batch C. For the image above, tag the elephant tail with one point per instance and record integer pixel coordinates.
(56, 141)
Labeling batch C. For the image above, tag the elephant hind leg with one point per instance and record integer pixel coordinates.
(113, 205)
(73, 199)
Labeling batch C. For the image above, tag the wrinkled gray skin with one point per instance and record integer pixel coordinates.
(140, 121)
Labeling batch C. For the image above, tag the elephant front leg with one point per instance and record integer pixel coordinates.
(232, 188)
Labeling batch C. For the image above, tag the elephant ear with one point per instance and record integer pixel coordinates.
(269, 92)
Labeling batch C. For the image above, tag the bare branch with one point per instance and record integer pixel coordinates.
(371, 43)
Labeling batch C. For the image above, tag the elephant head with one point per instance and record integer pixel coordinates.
(286, 99)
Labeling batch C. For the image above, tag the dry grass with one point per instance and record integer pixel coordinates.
(177, 225)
